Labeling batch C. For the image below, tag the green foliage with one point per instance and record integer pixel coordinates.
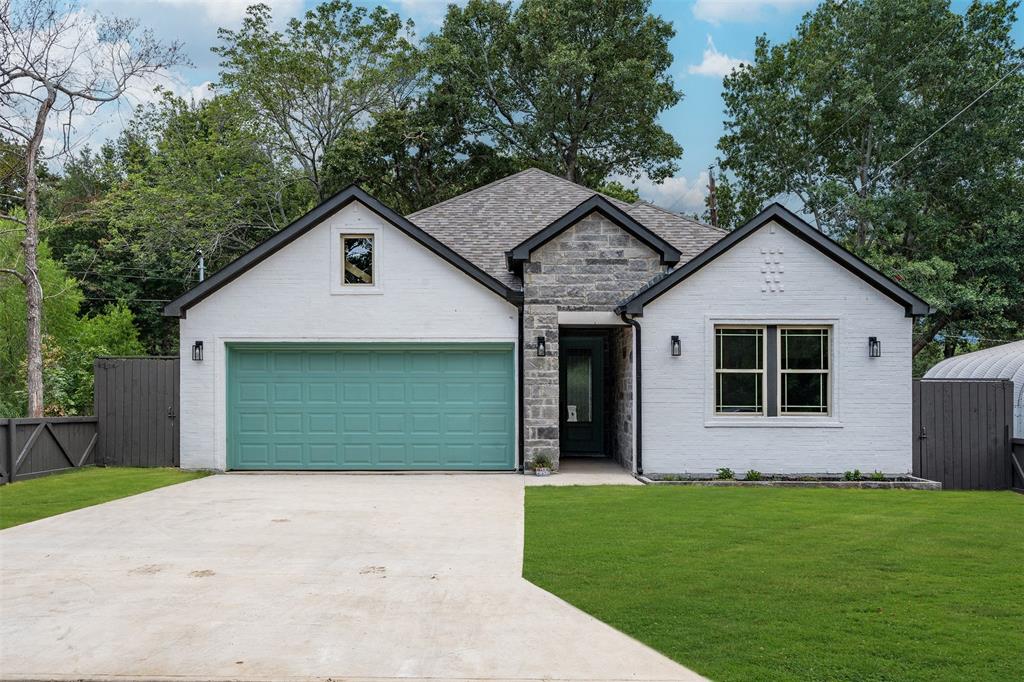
(70, 342)
(541, 461)
(753, 475)
(877, 475)
(415, 156)
(573, 86)
(837, 119)
(616, 189)
(852, 475)
(768, 584)
(321, 78)
(725, 474)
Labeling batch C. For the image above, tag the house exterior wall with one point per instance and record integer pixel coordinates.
(621, 386)
(773, 277)
(291, 296)
(592, 266)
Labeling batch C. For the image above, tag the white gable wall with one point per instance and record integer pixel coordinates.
(291, 296)
(870, 427)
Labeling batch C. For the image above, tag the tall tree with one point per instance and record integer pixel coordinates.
(899, 126)
(183, 177)
(416, 155)
(571, 85)
(321, 79)
(58, 61)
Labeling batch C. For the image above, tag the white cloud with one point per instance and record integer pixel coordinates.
(719, 11)
(230, 12)
(714, 63)
(679, 194)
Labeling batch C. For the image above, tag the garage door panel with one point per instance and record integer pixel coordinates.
(287, 393)
(422, 406)
(322, 393)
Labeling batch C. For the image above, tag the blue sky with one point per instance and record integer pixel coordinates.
(711, 35)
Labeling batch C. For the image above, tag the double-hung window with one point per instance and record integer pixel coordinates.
(739, 370)
(773, 370)
(804, 384)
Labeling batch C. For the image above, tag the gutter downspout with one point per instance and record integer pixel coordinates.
(637, 393)
(520, 389)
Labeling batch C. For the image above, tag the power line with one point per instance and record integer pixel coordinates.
(885, 87)
(917, 146)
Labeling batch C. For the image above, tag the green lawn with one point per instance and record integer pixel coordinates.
(24, 501)
(774, 584)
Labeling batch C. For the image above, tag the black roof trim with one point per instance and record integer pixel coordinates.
(314, 217)
(598, 203)
(913, 305)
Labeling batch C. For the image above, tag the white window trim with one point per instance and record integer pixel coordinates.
(714, 420)
(337, 286)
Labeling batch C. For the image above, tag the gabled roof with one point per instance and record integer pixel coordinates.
(317, 215)
(595, 204)
(487, 222)
(913, 305)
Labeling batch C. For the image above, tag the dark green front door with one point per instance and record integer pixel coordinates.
(371, 406)
(581, 395)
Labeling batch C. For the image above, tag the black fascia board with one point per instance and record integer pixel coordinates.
(670, 255)
(913, 305)
(320, 213)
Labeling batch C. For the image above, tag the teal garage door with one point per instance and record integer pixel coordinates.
(372, 406)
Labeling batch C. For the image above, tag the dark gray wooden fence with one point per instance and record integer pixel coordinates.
(1018, 464)
(36, 447)
(137, 403)
(962, 432)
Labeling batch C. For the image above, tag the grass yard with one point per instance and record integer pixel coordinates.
(772, 584)
(24, 501)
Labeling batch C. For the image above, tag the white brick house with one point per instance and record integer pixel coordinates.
(519, 321)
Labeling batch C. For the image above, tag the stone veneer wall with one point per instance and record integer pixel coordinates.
(592, 266)
(621, 386)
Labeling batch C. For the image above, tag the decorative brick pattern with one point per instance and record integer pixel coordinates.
(592, 266)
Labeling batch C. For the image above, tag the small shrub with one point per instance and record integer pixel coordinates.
(852, 475)
(754, 475)
(541, 462)
(725, 474)
(877, 476)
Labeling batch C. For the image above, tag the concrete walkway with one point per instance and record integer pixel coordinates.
(298, 577)
(586, 471)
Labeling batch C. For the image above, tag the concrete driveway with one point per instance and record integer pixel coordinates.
(280, 577)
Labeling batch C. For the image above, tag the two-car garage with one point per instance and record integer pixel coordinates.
(423, 406)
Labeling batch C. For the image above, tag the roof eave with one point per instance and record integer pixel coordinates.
(521, 253)
(179, 306)
(913, 305)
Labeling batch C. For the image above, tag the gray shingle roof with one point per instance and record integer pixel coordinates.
(481, 225)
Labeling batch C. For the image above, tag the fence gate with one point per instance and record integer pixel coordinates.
(962, 432)
(136, 402)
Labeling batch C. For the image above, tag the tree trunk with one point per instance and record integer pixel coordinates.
(936, 325)
(33, 286)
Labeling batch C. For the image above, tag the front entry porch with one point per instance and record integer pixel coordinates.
(595, 395)
(587, 471)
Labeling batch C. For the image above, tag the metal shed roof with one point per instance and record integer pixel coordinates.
(999, 362)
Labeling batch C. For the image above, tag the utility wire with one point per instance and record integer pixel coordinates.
(917, 146)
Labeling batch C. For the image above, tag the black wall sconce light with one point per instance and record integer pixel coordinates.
(541, 347)
(197, 351)
(874, 347)
(677, 348)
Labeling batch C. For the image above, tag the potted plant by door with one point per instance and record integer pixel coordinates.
(542, 465)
